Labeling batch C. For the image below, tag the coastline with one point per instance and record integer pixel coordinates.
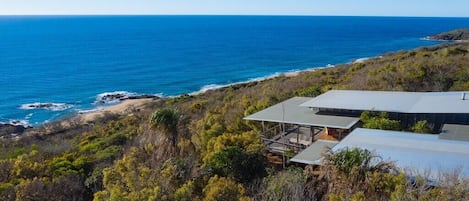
(124, 105)
(15, 131)
(123, 101)
(130, 100)
(256, 56)
(290, 73)
(429, 38)
(139, 102)
(120, 108)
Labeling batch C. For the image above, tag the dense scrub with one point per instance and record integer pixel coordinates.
(458, 34)
(199, 148)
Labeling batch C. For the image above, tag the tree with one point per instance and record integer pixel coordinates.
(287, 185)
(421, 127)
(235, 163)
(311, 91)
(350, 171)
(223, 189)
(130, 179)
(7, 191)
(379, 121)
(347, 160)
(237, 156)
(185, 192)
(167, 120)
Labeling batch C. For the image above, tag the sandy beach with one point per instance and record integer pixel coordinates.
(119, 108)
(125, 105)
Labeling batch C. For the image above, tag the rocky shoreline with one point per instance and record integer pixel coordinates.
(121, 96)
(116, 101)
(16, 128)
(458, 35)
(47, 106)
(8, 130)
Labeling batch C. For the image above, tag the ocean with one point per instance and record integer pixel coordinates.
(52, 66)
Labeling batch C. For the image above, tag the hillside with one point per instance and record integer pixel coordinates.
(455, 35)
(199, 148)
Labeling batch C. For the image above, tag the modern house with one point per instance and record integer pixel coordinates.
(289, 126)
(418, 154)
(409, 107)
(307, 126)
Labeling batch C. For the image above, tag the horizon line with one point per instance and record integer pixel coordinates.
(208, 14)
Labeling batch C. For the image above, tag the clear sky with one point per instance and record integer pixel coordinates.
(445, 8)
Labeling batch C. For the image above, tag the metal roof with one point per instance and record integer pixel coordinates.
(455, 132)
(289, 111)
(393, 101)
(419, 152)
(313, 154)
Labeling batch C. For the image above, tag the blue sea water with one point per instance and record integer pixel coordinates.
(70, 60)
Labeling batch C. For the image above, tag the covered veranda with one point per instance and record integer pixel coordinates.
(289, 127)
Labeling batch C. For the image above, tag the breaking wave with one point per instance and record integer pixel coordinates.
(46, 106)
(209, 87)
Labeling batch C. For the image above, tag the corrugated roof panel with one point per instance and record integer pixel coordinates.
(313, 154)
(455, 132)
(392, 101)
(289, 111)
(441, 102)
(420, 152)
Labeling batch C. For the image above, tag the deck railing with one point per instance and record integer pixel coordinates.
(272, 131)
(279, 144)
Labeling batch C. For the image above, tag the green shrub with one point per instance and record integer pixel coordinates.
(379, 121)
(223, 189)
(421, 127)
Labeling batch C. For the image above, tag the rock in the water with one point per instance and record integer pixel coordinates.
(143, 96)
(113, 97)
(46, 106)
(455, 35)
(10, 129)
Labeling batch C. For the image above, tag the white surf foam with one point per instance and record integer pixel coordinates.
(113, 97)
(22, 122)
(46, 106)
(209, 87)
(29, 116)
(90, 110)
(117, 96)
(362, 60)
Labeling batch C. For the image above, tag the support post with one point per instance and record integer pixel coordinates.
(263, 128)
(298, 135)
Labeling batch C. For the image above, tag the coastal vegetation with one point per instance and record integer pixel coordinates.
(454, 35)
(379, 121)
(198, 147)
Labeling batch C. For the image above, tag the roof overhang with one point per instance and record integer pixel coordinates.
(393, 101)
(424, 154)
(455, 132)
(291, 112)
(313, 155)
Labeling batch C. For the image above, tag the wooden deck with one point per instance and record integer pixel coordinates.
(324, 136)
(294, 139)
